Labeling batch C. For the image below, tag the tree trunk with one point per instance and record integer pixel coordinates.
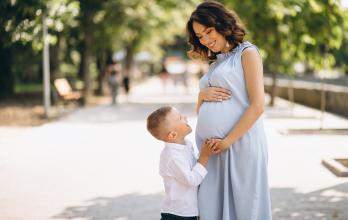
(275, 68)
(7, 83)
(128, 67)
(129, 60)
(55, 58)
(86, 56)
(273, 88)
(85, 62)
(102, 61)
(291, 95)
(100, 68)
(322, 102)
(80, 71)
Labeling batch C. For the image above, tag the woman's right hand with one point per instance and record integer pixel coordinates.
(214, 94)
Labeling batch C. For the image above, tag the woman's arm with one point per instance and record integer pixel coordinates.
(253, 73)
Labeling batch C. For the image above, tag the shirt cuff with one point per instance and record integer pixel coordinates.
(199, 168)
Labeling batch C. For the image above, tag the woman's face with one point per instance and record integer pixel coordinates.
(209, 37)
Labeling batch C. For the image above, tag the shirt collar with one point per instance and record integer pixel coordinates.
(178, 146)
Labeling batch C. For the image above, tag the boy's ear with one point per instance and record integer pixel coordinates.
(172, 135)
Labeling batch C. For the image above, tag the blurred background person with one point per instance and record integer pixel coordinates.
(164, 75)
(113, 71)
(125, 84)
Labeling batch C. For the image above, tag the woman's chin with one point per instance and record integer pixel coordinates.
(215, 50)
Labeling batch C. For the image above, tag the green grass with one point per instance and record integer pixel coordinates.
(28, 87)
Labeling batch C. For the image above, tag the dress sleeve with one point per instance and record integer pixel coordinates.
(248, 45)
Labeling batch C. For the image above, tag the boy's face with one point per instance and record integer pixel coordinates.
(178, 123)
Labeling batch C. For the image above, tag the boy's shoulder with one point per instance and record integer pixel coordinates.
(169, 151)
(172, 149)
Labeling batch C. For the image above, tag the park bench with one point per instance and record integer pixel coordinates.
(65, 91)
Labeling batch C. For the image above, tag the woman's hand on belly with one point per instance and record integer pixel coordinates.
(214, 94)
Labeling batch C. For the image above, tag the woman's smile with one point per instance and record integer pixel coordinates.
(211, 44)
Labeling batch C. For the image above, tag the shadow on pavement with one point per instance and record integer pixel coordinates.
(328, 203)
(126, 207)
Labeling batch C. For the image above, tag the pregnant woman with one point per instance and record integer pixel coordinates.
(236, 187)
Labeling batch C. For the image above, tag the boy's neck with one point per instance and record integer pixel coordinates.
(179, 141)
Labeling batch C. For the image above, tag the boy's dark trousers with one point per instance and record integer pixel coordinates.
(167, 216)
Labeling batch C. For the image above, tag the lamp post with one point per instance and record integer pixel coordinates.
(46, 69)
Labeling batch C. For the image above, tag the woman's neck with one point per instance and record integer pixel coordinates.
(228, 48)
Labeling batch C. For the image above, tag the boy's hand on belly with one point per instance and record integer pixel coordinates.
(219, 145)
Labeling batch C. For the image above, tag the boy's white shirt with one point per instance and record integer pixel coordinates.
(181, 175)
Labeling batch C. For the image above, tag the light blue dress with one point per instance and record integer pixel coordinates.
(236, 186)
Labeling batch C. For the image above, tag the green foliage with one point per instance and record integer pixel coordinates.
(290, 31)
(21, 21)
(341, 54)
(145, 24)
(286, 31)
(21, 31)
(28, 88)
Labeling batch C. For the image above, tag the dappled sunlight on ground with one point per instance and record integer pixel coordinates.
(100, 163)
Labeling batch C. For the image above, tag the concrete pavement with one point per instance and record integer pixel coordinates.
(99, 163)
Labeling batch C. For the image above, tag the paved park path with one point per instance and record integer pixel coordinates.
(99, 163)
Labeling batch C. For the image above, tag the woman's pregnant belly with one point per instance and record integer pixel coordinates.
(216, 119)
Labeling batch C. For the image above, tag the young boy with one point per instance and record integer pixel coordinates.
(179, 168)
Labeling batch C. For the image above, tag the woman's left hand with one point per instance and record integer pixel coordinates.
(219, 145)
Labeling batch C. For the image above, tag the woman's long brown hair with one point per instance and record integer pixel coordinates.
(225, 22)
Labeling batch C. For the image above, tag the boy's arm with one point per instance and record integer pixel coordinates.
(206, 151)
(183, 173)
(203, 159)
(192, 177)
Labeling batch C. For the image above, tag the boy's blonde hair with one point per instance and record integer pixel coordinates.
(156, 120)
